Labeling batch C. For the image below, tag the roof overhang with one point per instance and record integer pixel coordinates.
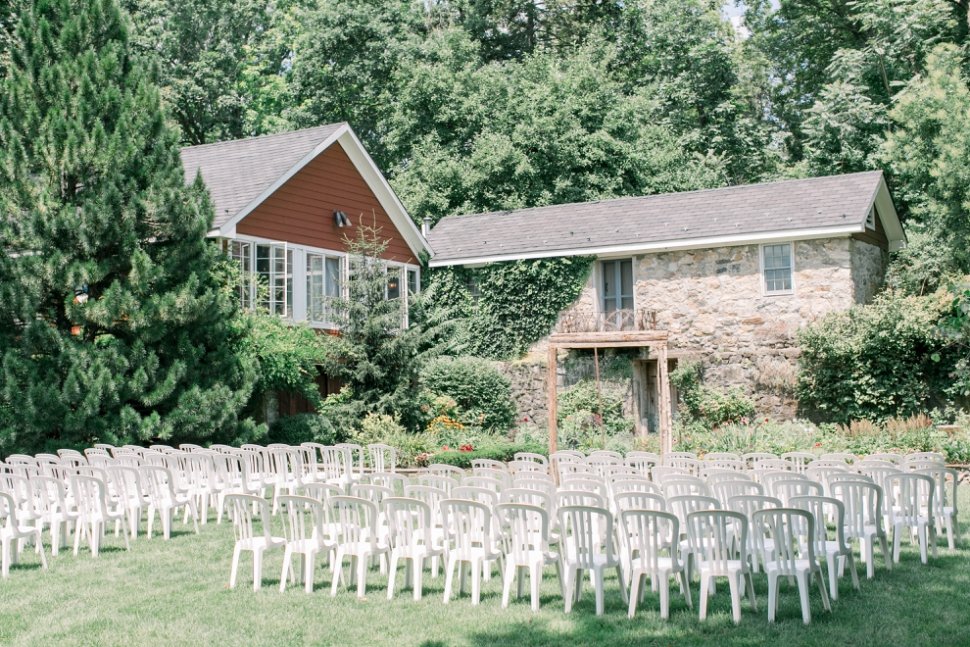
(661, 246)
(345, 137)
(883, 201)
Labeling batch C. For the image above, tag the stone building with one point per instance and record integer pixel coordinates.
(731, 274)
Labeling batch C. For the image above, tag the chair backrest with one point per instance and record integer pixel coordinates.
(754, 459)
(788, 488)
(685, 485)
(531, 456)
(725, 490)
(580, 498)
(643, 462)
(877, 473)
(90, 498)
(682, 506)
(917, 457)
(732, 464)
(486, 463)
(438, 481)
(355, 519)
(429, 495)
(823, 508)
(660, 473)
(529, 496)
(713, 476)
(645, 535)
(748, 504)
(483, 495)
(718, 538)
(303, 517)
(525, 529)
(392, 480)
(373, 493)
(484, 482)
(785, 527)
(863, 503)
(159, 485)
(383, 457)
(909, 496)
(519, 466)
(634, 485)
(588, 484)
(844, 457)
(8, 515)
(587, 535)
(409, 522)
(945, 482)
(712, 457)
(49, 495)
(692, 465)
(889, 457)
(443, 469)
(125, 483)
(798, 460)
(354, 457)
(320, 491)
(639, 501)
(468, 527)
(245, 510)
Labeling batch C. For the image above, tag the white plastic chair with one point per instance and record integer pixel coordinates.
(303, 520)
(358, 537)
(164, 499)
(383, 457)
(50, 501)
(241, 512)
(526, 546)
(93, 512)
(789, 557)
(719, 541)
(438, 481)
(411, 537)
(586, 544)
(910, 506)
(13, 531)
(685, 486)
(835, 550)
(645, 540)
(469, 539)
(863, 503)
(787, 488)
(724, 491)
(945, 502)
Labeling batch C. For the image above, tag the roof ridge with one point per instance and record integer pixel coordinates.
(659, 195)
(230, 142)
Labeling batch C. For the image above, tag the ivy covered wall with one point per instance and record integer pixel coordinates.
(510, 306)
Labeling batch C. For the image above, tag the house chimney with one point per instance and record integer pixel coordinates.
(425, 226)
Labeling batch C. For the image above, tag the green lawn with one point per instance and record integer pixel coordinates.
(176, 592)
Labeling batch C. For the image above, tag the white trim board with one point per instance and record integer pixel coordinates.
(662, 246)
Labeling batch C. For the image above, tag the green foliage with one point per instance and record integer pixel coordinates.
(705, 405)
(901, 436)
(495, 448)
(301, 428)
(288, 356)
(481, 392)
(607, 405)
(955, 327)
(93, 200)
(875, 362)
(515, 304)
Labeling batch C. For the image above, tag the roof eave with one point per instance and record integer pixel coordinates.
(661, 246)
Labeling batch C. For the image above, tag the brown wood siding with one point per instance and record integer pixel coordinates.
(877, 237)
(301, 211)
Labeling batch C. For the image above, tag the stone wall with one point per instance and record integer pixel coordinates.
(712, 303)
(529, 391)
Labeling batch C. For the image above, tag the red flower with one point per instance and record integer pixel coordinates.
(466, 448)
(444, 448)
(818, 444)
(525, 418)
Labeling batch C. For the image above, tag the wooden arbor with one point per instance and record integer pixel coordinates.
(654, 340)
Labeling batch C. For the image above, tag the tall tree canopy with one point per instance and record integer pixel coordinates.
(114, 325)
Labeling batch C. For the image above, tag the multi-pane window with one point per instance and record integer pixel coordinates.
(776, 263)
(413, 285)
(242, 253)
(617, 291)
(274, 274)
(323, 280)
(393, 282)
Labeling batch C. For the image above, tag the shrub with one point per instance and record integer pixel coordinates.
(303, 427)
(708, 406)
(581, 401)
(876, 361)
(482, 394)
(495, 448)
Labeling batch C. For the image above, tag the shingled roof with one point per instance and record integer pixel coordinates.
(792, 209)
(237, 172)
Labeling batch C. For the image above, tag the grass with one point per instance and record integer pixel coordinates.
(176, 592)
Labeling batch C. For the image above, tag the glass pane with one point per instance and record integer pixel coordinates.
(609, 283)
(777, 263)
(333, 277)
(626, 280)
(393, 283)
(412, 282)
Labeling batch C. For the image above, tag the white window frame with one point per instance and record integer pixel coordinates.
(598, 277)
(761, 269)
(299, 311)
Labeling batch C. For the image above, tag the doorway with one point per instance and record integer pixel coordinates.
(646, 395)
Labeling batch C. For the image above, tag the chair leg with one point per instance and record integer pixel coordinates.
(885, 552)
(507, 583)
(826, 604)
(685, 588)
(391, 575)
(664, 585)
(803, 597)
(832, 566)
(476, 570)
(361, 576)
(734, 585)
(535, 579)
(449, 577)
(287, 557)
(598, 590)
(705, 586)
(418, 575)
(772, 596)
(569, 577)
(257, 569)
(338, 568)
(635, 579)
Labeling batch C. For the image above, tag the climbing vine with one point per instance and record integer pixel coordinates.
(510, 306)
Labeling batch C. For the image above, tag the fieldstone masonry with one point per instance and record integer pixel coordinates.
(713, 304)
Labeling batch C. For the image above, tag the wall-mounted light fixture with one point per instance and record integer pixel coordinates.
(81, 294)
(341, 219)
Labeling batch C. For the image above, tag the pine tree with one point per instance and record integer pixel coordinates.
(114, 324)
